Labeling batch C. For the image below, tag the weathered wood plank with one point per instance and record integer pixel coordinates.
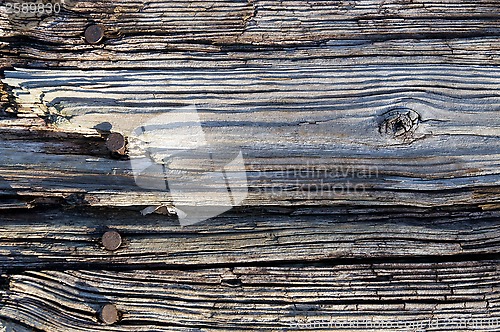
(465, 51)
(299, 86)
(262, 298)
(237, 21)
(286, 121)
(159, 33)
(69, 239)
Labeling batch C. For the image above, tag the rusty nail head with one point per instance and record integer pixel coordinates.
(94, 34)
(116, 143)
(111, 240)
(109, 314)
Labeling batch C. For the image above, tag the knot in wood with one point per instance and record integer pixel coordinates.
(399, 123)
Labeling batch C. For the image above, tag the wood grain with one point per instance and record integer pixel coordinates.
(260, 298)
(406, 91)
(235, 33)
(56, 239)
(323, 121)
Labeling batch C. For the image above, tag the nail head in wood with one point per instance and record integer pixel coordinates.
(109, 314)
(111, 240)
(94, 33)
(116, 143)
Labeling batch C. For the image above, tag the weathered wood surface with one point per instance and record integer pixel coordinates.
(236, 33)
(68, 239)
(261, 298)
(285, 121)
(297, 86)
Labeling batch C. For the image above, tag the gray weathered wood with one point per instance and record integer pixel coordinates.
(297, 85)
(292, 118)
(261, 298)
(68, 239)
(196, 33)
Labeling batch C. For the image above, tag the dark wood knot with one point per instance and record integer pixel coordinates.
(399, 123)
